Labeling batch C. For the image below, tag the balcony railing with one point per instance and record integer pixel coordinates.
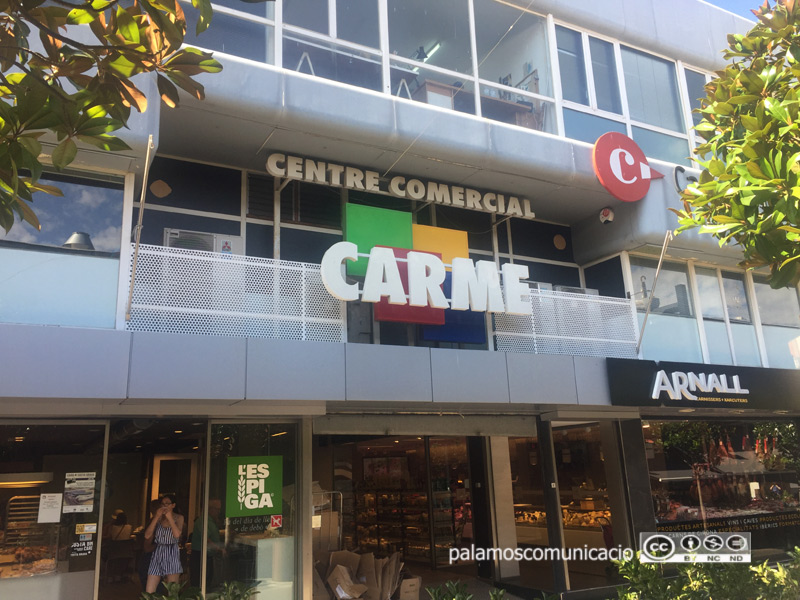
(569, 323)
(207, 293)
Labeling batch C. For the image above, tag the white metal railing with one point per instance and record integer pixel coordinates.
(569, 323)
(207, 293)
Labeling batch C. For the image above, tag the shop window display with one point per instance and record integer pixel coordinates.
(726, 476)
(49, 502)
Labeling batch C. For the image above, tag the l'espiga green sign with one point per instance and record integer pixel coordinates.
(255, 486)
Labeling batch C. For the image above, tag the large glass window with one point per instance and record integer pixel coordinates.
(780, 322)
(331, 61)
(572, 66)
(652, 90)
(671, 332)
(731, 316)
(253, 506)
(604, 73)
(695, 84)
(435, 33)
(66, 273)
(726, 476)
(512, 46)
(50, 479)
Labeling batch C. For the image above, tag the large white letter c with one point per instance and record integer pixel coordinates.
(616, 165)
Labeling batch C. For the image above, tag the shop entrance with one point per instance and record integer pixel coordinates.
(420, 496)
(148, 459)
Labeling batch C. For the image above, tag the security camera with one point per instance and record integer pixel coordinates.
(606, 215)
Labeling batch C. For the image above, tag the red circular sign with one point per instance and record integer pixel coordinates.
(621, 167)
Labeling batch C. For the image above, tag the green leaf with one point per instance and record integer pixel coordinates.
(105, 142)
(64, 154)
(126, 26)
(776, 110)
(206, 12)
(79, 16)
(755, 170)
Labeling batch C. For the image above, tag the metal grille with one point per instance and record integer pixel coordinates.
(206, 293)
(567, 323)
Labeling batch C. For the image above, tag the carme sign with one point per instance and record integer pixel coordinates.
(254, 486)
(621, 167)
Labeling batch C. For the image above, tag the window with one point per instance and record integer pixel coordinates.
(724, 475)
(780, 323)
(66, 274)
(671, 332)
(50, 479)
(571, 65)
(695, 85)
(652, 90)
(604, 70)
(434, 33)
(728, 326)
(258, 548)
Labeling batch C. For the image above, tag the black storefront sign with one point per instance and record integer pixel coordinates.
(647, 383)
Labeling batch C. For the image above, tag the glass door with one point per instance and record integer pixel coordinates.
(253, 506)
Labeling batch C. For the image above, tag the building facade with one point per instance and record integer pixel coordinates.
(257, 356)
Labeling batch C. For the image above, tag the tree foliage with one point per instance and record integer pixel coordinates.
(65, 77)
(749, 189)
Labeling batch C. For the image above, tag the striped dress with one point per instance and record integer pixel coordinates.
(166, 558)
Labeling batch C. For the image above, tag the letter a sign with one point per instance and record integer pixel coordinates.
(621, 167)
(254, 486)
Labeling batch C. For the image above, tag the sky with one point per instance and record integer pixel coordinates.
(739, 7)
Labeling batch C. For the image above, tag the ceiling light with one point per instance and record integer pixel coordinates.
(23, 480)
(179, 431)
(160, 188)
(19, 438)
(279, 433)
(685, 410)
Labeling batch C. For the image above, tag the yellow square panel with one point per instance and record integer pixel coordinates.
(450, 243)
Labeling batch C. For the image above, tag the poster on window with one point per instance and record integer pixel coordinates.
(254, 486)
(79, 492)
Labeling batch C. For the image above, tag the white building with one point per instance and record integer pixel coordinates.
(460, 127)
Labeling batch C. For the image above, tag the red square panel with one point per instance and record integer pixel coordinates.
(424, 315)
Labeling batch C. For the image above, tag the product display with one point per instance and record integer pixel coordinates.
(28, 547)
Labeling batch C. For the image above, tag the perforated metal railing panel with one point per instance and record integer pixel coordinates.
(207, 293)
(567, 323)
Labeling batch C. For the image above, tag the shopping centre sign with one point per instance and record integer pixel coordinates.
(621, 167)
(474, 286)
(353, 178)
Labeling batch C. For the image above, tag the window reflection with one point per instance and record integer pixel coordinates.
(604, 71)
(652, 90)
(88, 206)
(726, 475)
(512, 47)
(780, 318)
(671, 331)
(436, 33)
(572, 66)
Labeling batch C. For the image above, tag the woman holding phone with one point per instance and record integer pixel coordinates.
(165, 531)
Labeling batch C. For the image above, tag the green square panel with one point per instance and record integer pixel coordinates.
(368, 227)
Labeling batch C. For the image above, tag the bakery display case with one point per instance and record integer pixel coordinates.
(27, 547)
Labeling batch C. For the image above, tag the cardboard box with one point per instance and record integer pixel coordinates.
(409, 589)
(342, 584)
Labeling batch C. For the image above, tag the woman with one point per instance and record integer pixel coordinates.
(165, 531)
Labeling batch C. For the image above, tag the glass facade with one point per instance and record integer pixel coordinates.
(726, 476)
(485, 58)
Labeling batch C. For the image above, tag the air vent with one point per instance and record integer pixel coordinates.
(189, 240)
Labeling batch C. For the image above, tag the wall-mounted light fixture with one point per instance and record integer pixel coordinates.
(24, 480)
